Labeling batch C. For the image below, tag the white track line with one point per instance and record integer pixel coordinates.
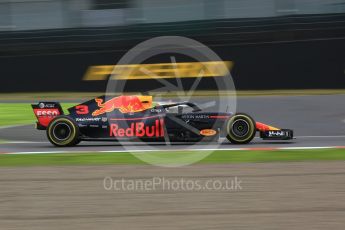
(336, 136)
(179, 150)
(12, 126)
(341, 136)
(26, 142)
(46, 142)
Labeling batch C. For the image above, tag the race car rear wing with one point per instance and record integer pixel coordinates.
(45, 112)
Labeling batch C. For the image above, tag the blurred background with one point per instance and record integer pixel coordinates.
(276, 48)
(48, 45)
(19, 15)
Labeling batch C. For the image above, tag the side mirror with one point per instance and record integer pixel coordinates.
(196, 110)
(179, 109)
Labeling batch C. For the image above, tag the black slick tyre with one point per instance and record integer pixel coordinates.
(62, 131)
(240, 129)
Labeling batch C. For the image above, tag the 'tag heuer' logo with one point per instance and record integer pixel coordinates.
(125, 104)
(139, 129)
(208, 132)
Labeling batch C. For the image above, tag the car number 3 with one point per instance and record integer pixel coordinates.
(82, 109)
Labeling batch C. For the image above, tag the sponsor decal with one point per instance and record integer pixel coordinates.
(158, 110)
(198, 116)
(104, 119)
(46, 105)
(139, 129)
(94, 126)
(125, 104)
(276, 133)
(87, 119)
(46, 112)
(208, 132)
(45, 115)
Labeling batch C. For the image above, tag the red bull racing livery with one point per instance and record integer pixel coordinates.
(137, 118)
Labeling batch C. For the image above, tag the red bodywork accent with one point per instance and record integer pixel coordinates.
(263, 127)
(44, 116)
(219, 117)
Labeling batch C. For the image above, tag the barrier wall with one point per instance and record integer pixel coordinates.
(305, 61)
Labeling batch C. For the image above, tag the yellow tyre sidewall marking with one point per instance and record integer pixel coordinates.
(73, 133)
(251, 127)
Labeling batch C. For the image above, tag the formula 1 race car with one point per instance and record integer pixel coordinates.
(137, 118)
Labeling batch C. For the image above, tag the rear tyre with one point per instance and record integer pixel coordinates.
(63, 131)
(240, 128)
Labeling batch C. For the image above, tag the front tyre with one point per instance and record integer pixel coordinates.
(63, 131)
(240, 129)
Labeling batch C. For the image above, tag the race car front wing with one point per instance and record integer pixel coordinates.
(283, 134)
(272, 133)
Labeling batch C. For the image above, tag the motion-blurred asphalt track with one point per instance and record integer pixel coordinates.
(273, 196)
(317, 121)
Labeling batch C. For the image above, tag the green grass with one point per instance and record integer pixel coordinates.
(19, 113)
(49, 96)
(221, 156)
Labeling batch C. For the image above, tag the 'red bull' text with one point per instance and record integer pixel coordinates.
(138, 129)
